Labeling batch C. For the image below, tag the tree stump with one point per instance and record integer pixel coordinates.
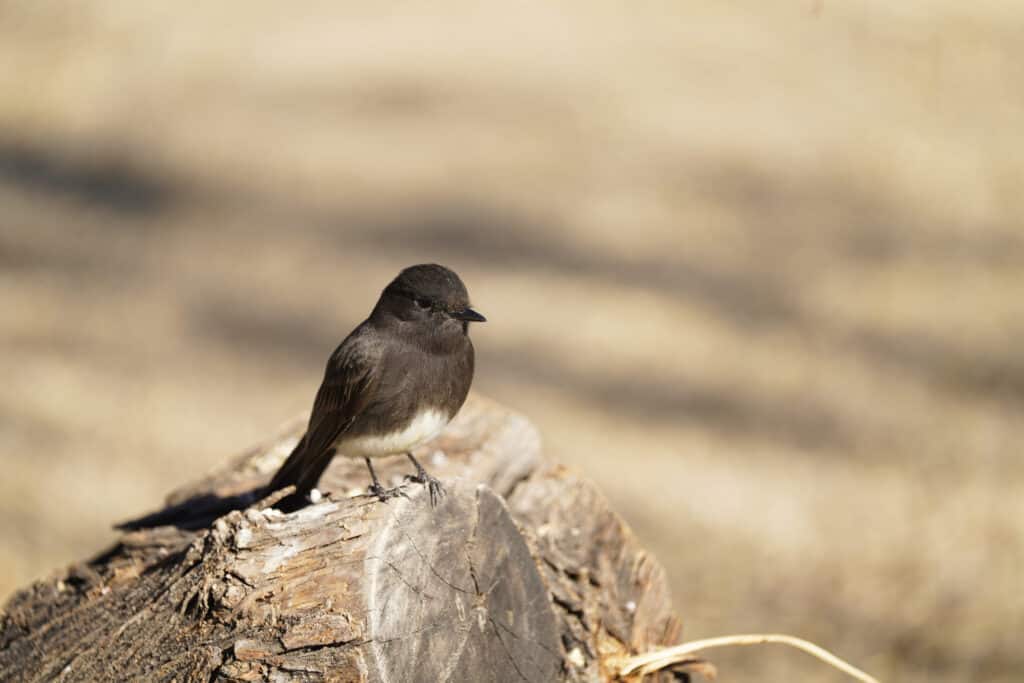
(521, 573)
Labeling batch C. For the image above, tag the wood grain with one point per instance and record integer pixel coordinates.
(522, 573)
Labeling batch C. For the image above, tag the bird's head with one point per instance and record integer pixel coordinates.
(428, 294)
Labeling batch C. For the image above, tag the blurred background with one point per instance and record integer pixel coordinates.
(756, 268)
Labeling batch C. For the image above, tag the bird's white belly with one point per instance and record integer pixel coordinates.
(425, 426)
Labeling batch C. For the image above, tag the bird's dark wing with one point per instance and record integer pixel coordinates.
(343, 396)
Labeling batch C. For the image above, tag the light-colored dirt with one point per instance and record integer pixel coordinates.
(759, 271)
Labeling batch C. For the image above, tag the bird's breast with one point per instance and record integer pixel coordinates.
(424, 426)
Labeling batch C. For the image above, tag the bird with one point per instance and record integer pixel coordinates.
(394, 383)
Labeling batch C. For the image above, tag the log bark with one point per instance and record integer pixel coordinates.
(521, 573)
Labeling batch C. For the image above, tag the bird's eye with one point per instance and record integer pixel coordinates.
(423, 303)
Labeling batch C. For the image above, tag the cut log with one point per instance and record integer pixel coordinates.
(521, 573)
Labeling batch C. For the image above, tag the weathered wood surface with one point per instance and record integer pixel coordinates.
(521, 573)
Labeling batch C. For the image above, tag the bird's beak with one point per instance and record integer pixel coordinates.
(469, 315)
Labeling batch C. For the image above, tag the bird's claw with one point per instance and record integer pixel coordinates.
(384, 495)
(433, 484)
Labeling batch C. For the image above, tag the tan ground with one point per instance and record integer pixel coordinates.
(758, 268)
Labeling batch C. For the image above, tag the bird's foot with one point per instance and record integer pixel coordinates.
(421, 477)
(383, 494)
(433, 485)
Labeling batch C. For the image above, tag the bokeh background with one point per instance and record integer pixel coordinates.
(757, 268)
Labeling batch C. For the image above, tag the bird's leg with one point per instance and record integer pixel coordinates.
(432, 483)
(376, 489)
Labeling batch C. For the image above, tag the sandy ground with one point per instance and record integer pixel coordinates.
(758, 270)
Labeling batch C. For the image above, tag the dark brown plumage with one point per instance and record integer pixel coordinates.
(392, 384)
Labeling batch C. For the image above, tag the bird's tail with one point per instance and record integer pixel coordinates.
(302, 470)
(289, 472)
(198, 512)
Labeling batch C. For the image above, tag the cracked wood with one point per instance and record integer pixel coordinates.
(522, 573)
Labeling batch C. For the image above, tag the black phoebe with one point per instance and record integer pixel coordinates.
(394, 383)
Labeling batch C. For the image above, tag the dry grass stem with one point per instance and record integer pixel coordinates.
(655, 661)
